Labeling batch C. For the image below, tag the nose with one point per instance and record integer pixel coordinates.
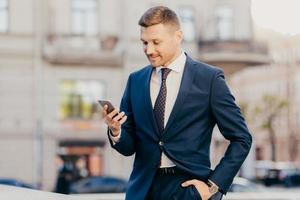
(149, 49)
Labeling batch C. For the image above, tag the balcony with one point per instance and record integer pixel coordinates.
(83, 50)
(233, 55)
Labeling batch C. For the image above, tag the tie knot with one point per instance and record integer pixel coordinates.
(164, 73)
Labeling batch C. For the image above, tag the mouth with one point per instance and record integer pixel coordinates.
(153, 58)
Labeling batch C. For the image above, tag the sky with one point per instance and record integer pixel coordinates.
(282, 16)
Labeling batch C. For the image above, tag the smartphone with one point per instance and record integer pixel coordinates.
(105, 102)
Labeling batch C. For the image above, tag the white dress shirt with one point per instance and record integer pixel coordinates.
(173, 84)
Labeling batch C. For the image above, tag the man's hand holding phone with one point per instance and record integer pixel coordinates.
(112, 117)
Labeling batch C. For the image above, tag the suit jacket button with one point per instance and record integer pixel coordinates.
(161, 143)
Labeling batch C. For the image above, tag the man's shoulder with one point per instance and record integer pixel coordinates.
(204, 69)
(144, 71)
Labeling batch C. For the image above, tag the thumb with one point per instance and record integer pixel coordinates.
(187, 183)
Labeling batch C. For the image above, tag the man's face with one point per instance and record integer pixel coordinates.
(161, 44)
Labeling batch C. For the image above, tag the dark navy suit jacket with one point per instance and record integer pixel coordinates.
(203, 101)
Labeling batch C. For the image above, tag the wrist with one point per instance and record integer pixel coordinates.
(212, 187)
(114, 133)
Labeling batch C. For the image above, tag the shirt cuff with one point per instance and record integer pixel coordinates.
(115, 139)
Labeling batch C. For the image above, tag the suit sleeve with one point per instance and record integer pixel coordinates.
(126, 143)
(233, 127)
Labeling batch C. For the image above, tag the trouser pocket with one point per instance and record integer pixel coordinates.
(196, 193)
(186, 193)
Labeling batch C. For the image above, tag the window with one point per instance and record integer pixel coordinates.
(186, 15)
(78, 99)
(224, 22)
(84, 17)
(3, 16)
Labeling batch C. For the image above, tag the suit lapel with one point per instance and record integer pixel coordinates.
(186, 83)
(148, 103)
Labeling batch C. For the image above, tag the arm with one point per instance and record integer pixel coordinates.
(232, 126)
(125, 144)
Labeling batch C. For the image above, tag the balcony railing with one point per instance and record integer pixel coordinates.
(93, 50)
(239, 46)
(244, 53)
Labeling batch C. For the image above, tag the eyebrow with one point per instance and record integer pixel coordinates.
(150, 40)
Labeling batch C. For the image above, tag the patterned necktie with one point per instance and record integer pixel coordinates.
(160, 103)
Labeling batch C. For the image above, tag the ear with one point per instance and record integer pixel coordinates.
(179, 35)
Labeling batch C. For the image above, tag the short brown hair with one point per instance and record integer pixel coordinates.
(159, 15)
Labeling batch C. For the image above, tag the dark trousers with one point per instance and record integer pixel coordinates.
(167, 186)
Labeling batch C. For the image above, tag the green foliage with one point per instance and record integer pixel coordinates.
(268, 109)
(265, 113)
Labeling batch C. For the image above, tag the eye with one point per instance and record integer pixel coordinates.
(144, 42)
(156, 42)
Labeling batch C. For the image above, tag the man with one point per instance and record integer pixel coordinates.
(169, 110)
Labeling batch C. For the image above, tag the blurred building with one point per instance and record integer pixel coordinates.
(281, 80)
(57, 57)
(251, 86)
(226, 37)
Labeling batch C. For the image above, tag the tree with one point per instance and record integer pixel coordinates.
(268, 110)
